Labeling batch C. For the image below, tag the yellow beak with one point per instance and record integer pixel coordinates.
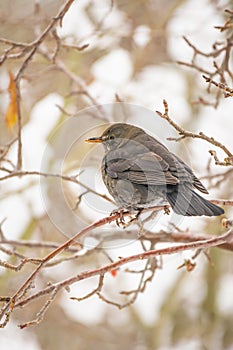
(95, 140)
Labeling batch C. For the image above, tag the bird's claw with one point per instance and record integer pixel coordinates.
(120, 221)
(166, 210)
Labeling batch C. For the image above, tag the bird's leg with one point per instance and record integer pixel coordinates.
(121, 220)
(166, 210)
(138, 221)
(136, 218)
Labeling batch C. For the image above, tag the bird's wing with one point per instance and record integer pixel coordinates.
(147, 169)
(195, 181)
(177, 167)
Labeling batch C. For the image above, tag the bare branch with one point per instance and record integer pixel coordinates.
(222, 51)
(190, 134)
(96, 290)
(205, 244)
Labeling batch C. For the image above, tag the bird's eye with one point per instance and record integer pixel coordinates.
(111, 137)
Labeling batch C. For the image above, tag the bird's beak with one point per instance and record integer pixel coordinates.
(95, 139)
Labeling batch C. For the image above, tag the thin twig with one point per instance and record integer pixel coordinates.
(204, 244)
(59, 176)
(184, 133)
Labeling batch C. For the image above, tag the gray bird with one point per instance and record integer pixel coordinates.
(140, 172)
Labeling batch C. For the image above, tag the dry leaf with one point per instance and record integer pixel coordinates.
(11, 116)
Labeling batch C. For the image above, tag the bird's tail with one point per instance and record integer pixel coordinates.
(186, 202)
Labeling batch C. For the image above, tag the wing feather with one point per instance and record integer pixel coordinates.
(146, 169)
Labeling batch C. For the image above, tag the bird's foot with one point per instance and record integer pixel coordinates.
(120, 221)
(166, 210)
(135, 218)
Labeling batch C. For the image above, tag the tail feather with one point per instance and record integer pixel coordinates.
(189, 203)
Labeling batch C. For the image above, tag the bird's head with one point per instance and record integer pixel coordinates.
(116, 136)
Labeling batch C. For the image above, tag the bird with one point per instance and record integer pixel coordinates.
(140, 172)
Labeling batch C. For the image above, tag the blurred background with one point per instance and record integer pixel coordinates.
(114, 61)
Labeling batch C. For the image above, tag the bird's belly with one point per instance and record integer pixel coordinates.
(131, 195)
